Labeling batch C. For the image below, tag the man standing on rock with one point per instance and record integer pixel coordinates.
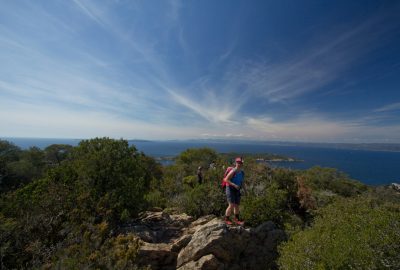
(234, 181)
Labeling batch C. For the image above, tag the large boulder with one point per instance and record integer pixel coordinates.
(158, 227)
(231, 247)
(214, 237)
(208, 262)
(157, 256)
(261, 251)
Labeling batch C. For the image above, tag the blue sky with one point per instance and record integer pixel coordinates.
(314, 71)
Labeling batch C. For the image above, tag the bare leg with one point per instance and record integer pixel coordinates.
(236, 212)
(236, 209)
(228, 211)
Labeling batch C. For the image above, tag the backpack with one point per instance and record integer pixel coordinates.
(224, 184)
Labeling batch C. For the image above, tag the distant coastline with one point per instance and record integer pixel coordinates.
(265, 157)
(44, 142)
(387, 147)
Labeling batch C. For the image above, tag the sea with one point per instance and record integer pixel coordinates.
(369, 167)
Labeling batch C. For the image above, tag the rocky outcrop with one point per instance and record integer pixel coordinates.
(179, 242)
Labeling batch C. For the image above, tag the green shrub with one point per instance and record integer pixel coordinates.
(125, 215)
(17, 167)
(103, 181)
(354, 233)
(190, 180)
(269, 206)
(202, 200)
(113, 173)
(171, 185)
(332, 180)
(98, 251)
(190, 159)
(156, 198)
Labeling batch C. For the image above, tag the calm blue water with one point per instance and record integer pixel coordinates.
(370, 167)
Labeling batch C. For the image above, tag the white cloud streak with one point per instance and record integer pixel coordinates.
(312, 68)
(206, 110)
(85, 80)
(30, 121)
(304, 128)
(142, 45)
(389, 107)
(309, 69)
(309, 128)
(89, 12)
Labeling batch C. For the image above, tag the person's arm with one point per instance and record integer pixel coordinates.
(228, 178)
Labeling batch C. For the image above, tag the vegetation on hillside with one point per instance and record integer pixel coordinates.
(61, 207)
(351, 233)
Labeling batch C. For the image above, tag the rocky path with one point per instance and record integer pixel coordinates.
(180, 242)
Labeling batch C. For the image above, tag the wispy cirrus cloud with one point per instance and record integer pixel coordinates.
(31, 120)
(216, 113)
(89, 80)
(303, 128)
(312, 67)
(142, 45)
(311, 128)
(175, 7)
(389, 107)
(91, 12)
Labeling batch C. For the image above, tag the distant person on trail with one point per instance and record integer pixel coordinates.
(200, 175)
(212, 165)
(233, 183)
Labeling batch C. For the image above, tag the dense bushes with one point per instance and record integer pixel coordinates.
(100, 183)
(333, 180)
(354, 233)
(97, 250)
(281, 195)
(203, 200)
(20, 167)
(179, 187)
(112, 173)
(271, 205)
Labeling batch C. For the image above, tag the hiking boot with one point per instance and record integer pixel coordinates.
(238, 222)
(227, 221)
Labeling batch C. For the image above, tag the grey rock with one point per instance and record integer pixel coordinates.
(157, 256)
(181, 242)
(208, 262)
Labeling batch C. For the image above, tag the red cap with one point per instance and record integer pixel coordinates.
(239, 160)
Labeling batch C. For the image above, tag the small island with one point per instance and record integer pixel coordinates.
(259, 157)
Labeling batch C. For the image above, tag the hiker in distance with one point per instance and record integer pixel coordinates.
(200, 175)
(233, 180)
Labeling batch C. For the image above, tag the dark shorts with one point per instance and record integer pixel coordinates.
(232, 194)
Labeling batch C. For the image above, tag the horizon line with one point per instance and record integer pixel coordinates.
(236, 140)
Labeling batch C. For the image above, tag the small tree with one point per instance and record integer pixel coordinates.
(191, 159)
(56, 153)
(8, 153)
